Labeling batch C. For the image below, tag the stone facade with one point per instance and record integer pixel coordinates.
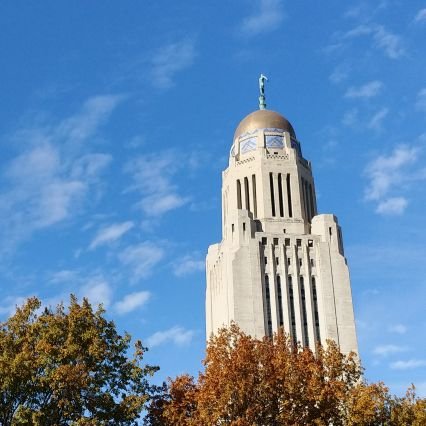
(280, 263)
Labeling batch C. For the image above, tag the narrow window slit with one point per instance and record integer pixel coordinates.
(316, 315)
(271, 185)
(290, 208)
(280, 195)
(304, 313)
(253, 181)
(268, 307)
(280, 302)
(247, 193)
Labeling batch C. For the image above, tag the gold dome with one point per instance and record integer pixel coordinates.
(264, 119)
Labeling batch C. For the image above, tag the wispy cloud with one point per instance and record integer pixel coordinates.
(177, 335)
(366, 91)
(53, 175)
(350, 118)
(9, 304)
(170, 60)
(188, 265)
(339, 74)
(392, 206)
(385, 350)
(390, 172)
(141, 258)
(131, 302)
(159, 193)
(421, 100)
(98, 291)
(389, 43)
(376, 121)
(110, 233)
(398, 328)
(408, 365)
(420, 16)
(267, 17)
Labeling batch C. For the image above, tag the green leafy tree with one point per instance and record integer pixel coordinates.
(69, 367)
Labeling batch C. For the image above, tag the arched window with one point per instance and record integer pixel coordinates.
(304, 314)
(292, 311)
(280, 302)
(268, 307)
(316, 314)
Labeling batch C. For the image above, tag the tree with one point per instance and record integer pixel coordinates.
(69, 367)
(268, 382)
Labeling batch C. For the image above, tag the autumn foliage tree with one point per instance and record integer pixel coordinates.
(248, 382)
(69, 367)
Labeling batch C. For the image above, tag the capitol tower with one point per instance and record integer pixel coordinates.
(280, 263)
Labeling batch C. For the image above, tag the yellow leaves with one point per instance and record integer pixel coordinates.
(68, 365)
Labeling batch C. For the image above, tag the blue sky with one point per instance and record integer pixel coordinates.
(117, 119)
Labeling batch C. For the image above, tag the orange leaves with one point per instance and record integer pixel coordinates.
(250, 382)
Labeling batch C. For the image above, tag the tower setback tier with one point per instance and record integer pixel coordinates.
(280, 263)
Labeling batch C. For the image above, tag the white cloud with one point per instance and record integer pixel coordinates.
(158, 204)
(385, 350)
(142, 258)
(421, 15)
(188, 265)
(387, 171)
(51, 178)
(367, 90)
(339, 74)
(159, 193)
(350, 118)
(63, 276)
(390, 44)
(132, 301)
(408, 365)
(9, 304)
(177, 335)
(398, 328)
(83, 125)
(392, 206)
(421, 100)
(110, 233)
(171, 59)
(97, 291)
(267, 17)
(375, 122)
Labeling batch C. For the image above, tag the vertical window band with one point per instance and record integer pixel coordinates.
(280, 195)
(280, 302)
(292, 311)
(268, 307)
(247, 193)
(271, 187)
(304, 313)
(253, 180)
(316, 314)
(290, 208)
